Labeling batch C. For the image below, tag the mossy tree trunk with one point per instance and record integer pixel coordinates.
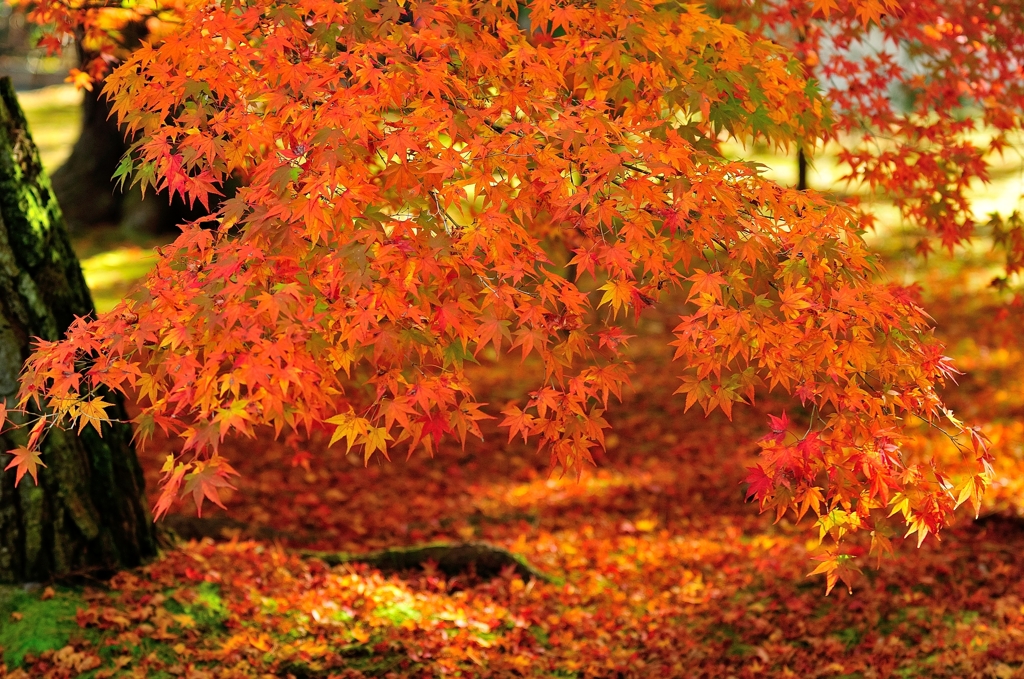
(88, 513)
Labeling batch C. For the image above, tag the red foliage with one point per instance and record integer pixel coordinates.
(428, 185)
(925, 96)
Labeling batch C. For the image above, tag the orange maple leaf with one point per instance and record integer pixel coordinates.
(26, 460)
(206, 478)
(81, 79)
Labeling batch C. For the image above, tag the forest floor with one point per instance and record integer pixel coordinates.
(655, 566)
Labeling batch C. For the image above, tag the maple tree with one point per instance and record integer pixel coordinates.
(430, 184)
(84, 510)
(88, 196)
(925, 97)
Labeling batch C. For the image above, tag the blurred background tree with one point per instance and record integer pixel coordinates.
(83, 180)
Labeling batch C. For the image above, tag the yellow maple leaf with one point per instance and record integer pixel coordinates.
(618, 293)
(80, 79)
(92, 412)
(376, 438)
(349, 427)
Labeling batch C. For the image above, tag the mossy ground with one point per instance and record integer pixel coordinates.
(31, 622)
(48, 628)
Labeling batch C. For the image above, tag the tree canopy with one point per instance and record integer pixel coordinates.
(429, 184)
(923, 101)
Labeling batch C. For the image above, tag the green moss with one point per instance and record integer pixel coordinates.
(44, 625)
(397, 613)
(540, 635)
(206, 609)
(851, 636)
(738, 650)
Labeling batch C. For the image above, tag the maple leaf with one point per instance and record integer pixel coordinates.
(375, 439)
(881, 546)
(825, 7)
(810, 499)
(613, 338)
(706, 283)
(173, 476)
(492, 329)
(36, 433)
(236, 416)
(436, 426)
(204, 480)
(518, 422)
(618, 293)
(794, 300)
(901, 505)
(92, 412)
(833, 566)
(869, 11)
(25, 461)
(760, 484)
(779, 425)
(349, 427)
(584, 260)
(80, 79)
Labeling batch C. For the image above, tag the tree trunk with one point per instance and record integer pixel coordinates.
(88, 194)
(88, 514)
(83, 183)
(801, 170)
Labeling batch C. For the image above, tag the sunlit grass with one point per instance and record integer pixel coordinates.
(111, 274)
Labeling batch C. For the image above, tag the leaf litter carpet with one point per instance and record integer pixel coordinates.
(658, 568)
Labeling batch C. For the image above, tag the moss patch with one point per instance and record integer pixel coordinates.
(44, 624)
(205, 610)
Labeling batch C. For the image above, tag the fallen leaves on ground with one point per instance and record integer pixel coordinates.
(659, 568)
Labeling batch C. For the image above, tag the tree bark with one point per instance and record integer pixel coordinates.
(83, 184)
(88, 514)
(801, 170)
(89, 196)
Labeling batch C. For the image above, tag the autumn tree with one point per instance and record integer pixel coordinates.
(925, 97)
(85, 510)
(428, 184)
(84, 184)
